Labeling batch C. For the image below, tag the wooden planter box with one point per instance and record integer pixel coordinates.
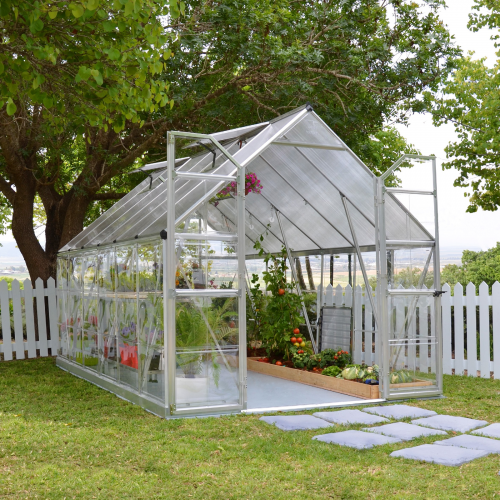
(357, 389)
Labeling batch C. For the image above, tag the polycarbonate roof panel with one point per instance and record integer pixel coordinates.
(304, 183)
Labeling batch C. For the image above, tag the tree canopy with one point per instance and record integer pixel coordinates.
(107, 79)
(470, 102)
(476, 267)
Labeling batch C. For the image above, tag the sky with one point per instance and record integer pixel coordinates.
(458, 229)
(480, 230)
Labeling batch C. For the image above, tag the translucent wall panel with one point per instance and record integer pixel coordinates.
(206, 351)
(126, 313)
(150, 331)
(62, 304)
(206, 264)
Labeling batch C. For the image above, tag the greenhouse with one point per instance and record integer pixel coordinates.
(154, 296)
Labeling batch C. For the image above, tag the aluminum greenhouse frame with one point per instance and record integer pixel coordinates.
(136, 287)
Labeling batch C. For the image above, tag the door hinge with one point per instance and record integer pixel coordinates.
(172, 409)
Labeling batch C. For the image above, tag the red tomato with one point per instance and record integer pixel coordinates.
(279, 363)
(299, 340)
(300, 351)
(296, 331)
(293, 340)
(281, 291)
(232, 324)
(266, 360)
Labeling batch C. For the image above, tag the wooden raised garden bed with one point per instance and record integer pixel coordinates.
(349, 387)
(357, 389)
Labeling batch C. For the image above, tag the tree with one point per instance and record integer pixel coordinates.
(471, 104)
(476, 267)
(76, 126)
(73, 76)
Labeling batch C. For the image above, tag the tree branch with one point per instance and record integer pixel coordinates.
(107, 196)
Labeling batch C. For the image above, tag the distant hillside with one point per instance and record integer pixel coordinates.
(9, 254)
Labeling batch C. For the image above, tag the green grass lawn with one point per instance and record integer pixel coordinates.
(61, 437)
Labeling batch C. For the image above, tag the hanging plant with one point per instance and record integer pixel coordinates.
(252, 185)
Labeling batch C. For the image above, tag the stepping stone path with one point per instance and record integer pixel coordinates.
(443, 455)
(492, 430)
(356, 439)
(449, 423)
(296, 422)
(398, 412)
(350, 417)
(472, 442)
(455, 451)
(405, 432)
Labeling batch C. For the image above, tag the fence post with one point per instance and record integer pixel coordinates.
(5, 311)
(470, 299)
(484, 330)
(495, 303)
(446, 316)
(53, 314)
(30, 321)
(458, 302)
(358, 325)
(17, 309)
(40, 313)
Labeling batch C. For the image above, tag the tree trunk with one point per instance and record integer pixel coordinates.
(310, 276)
(300, 276)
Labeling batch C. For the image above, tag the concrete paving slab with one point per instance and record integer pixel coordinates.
(350, 417)
(492, 431)
(443, 455)
(398, 412)
(472, 442)
(405, 432)
(296, 422)
(450, 423)
(356, 439)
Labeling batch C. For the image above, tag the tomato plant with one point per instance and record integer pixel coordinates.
(278, 313)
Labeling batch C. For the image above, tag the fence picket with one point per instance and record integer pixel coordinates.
(17, 308)
(40, 309)
(5, 311)
(329, 296)
(470, 300)
(30, 321)
(458, 303)
(339, 296)
(495, 302)
(375, 333)
(368, 327)
(348, 296)
(358, 325)
(53, 314)
(446, 315)
(363, 327)
(484, 330)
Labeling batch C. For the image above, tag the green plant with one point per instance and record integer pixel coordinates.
(300, 360)
(280, 316)
(332, 371)
(201, 328)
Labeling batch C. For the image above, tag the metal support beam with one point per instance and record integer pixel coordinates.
(299, 291)
(307, 145)
(360, 258)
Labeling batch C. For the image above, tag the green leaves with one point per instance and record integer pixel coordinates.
(11, 107)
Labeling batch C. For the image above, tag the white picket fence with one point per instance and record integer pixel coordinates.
(457, 310)
(30, 305)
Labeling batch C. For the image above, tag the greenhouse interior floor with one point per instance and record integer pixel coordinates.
(266, 393)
